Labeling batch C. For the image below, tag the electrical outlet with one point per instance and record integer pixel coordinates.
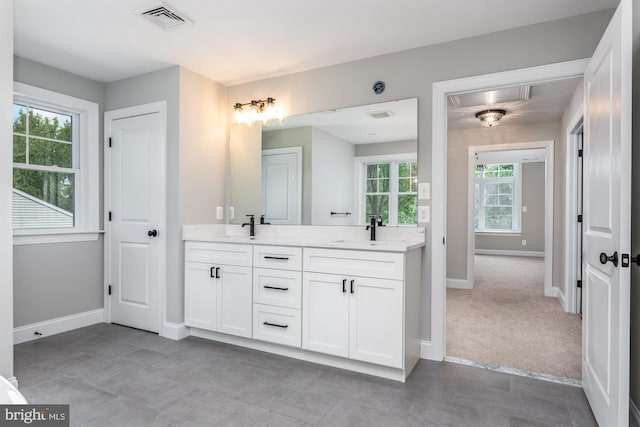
(524, 242)
(524, 209)
(424, 214)
(219, 213)
(424, 191)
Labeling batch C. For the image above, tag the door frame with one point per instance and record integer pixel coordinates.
(159, 107)
(435, 348)
(287, 150)
(572, 131)
(549, 289)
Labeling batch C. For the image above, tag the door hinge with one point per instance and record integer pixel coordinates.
(109, 290)
(579, 218)
(109, 142)
(109, 215)
(579, 283)
(580, 152)
(443, 241)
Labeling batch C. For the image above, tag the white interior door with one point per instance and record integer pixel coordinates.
(607, 231)
(282, 185)
(136, 205)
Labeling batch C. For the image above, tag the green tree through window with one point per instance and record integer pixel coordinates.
(43, 160)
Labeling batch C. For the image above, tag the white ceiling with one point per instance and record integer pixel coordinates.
(357, 126)
(238, 41)
(546, 104)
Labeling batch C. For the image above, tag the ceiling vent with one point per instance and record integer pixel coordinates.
(164, 15)
(380, 114)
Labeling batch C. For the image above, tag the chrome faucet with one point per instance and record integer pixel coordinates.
(372, 228)
(252, 225)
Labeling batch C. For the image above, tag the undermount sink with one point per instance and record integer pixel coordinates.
(365, 242)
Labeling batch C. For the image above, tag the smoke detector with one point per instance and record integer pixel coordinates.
(163, 15)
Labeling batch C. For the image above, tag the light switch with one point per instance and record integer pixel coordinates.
(524, 242)
(424, 214)
(219, 213)
(232, 213)
(524, 209)
(424, 191)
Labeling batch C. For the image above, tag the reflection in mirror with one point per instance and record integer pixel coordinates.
(337, 167)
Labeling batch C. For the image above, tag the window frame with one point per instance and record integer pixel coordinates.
(516, 222)
(85, 164)
(361, 163)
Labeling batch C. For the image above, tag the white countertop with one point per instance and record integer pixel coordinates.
(390, 239)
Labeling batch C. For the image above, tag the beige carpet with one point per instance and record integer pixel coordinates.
(506, 320)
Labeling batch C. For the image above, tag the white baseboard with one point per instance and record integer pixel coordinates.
(509, 253)
(175, 331)
(459, 284)
(55, 326)
(561, 297)
(634, 414)
(427, 351)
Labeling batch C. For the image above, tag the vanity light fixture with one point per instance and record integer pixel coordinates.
(264, 110)
(490, 117)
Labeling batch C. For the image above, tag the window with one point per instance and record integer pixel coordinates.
(390, 190)
(497, 197)
(55, 166)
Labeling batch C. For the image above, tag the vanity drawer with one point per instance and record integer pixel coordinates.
(280, 257)
(219, 253)
(277, 287)
(277, 324)
(382, 265)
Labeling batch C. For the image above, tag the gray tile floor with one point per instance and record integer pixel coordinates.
(117, 376)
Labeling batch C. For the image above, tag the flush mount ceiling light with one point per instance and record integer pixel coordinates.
(263, 110)
(490, 117)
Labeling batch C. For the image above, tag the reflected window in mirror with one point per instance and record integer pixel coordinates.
(389, 189)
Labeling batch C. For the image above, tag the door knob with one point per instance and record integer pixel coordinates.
(636, 259)
(152, 233)
(613, 258)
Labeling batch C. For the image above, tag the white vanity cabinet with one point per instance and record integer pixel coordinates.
(218, 291)
(353, 305)
(277, 294)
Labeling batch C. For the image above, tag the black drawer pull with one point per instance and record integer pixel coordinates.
(279, 258)
(276, 325)
(275, 287)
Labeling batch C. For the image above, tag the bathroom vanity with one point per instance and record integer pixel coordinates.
(323, 294)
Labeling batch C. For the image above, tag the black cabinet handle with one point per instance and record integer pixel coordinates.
(217, 272)
(352, 285)
(275, 287)
(280, 258)
(276, 325)
(213, 274)
(344, 286)
(613, 258)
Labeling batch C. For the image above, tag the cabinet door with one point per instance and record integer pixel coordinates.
(200, 296)
(375, 334)
(325, 318)
(235, 300)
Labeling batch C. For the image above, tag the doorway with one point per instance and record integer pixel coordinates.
(135, 216)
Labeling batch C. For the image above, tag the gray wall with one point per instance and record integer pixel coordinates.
(386, 148)
(459, 142)
(296, 137)
(635, 214)
(6, 273)
(411, 73)
(532, 219)
(55, 279)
